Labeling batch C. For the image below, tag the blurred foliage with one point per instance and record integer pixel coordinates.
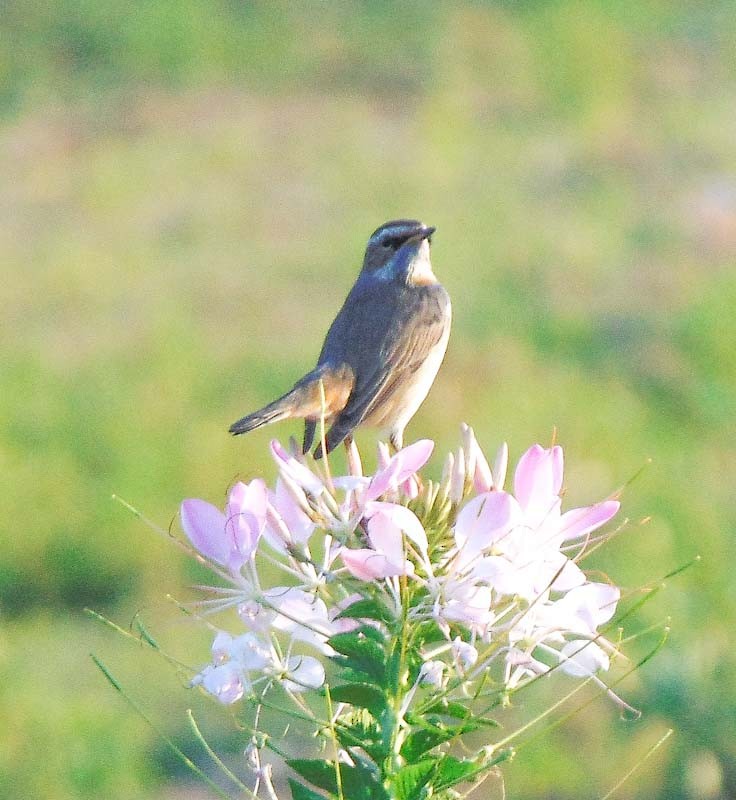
(187, 187)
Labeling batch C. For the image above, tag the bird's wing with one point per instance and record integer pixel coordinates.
(385, 338)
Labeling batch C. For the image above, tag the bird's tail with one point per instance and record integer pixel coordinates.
(324, 390)
(273, 412)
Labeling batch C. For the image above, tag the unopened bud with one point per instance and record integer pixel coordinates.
(457, 478)
(384, 456)
(500, 466)
(355, 466)
(447, 468)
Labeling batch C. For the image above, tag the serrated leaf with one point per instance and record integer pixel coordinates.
(372, 632)
(361, 654)
(360, 781)
(369, 741)
(301, 792)
(363, 781)
(419, 742)
(409, 781)
(367, 609)
(361, 695)
(318, 772)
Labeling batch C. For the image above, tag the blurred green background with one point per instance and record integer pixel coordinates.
(186, 189)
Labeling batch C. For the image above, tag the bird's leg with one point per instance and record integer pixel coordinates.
(397, 440)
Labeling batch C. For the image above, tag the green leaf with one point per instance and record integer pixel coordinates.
(363, 782)
(486, 722)
(300, 792)
(459, 711)
(367, 609)
(361, 695)
(421, 741)
(452, 770)
(359, 782)
(449, 708)
(372, 632)
(369, 740)
(317, 771)
(408, 782)
(361, 654)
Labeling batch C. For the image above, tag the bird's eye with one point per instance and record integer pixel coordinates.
(392, 242)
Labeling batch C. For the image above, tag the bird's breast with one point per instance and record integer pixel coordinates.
(401, 407)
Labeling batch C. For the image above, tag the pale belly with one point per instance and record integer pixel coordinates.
(394, 417)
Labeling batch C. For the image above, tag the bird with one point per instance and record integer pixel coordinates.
(383, 350)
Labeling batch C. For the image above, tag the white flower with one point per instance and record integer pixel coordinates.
(465, 654)
(432, 673)
(581, 658)
(227, 677)
(302, 673)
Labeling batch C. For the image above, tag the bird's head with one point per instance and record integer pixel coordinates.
(399, 250)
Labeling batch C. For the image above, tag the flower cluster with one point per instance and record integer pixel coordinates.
(490, 576)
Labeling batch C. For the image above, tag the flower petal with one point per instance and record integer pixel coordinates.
(225, 682)
(305, 672)
(246, 518)
(387, 522)
(368, 565)
(431, 673)
(482, 521)
(402, 466)
(569, 575)
(295, 470)
(538, 477)
(580, 521)
(581, 658)
(250, 652)
(205, 526)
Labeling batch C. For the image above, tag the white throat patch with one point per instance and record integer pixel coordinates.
(421, 267)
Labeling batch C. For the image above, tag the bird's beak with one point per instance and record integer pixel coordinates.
(425, 232)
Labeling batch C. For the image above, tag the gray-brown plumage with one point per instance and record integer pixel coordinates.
(383, 350)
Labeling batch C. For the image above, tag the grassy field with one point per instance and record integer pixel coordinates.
(187, 190)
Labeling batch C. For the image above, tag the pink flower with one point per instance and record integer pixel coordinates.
(400, 468)
(231, 538)
(512, 543)
(483, 521)
(299, 473)
(227, 678)
(537, 483)
(286, 515)
(537, 486)
(387, 525)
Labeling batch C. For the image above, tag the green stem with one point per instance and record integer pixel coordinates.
(397, 691)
